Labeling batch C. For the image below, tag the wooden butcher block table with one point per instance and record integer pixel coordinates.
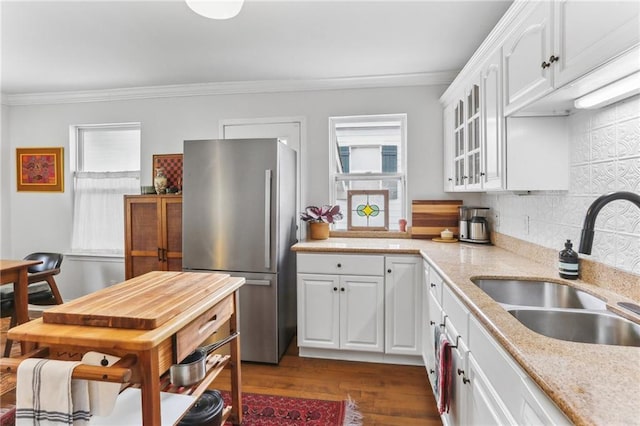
(155, 319)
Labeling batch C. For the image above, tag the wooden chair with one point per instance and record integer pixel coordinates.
(43, 289)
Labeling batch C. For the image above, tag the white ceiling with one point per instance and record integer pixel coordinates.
(59, 46)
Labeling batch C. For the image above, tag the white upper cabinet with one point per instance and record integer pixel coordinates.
(526, 56)
(534, 63)
(492, 124)
(589, 33)
(449, 175)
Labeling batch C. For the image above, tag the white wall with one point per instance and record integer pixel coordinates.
(604, 157)
(5, 187)
(41, 221)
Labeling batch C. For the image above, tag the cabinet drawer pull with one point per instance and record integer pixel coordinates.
(159, 254)
(464, 378)
(339, 265)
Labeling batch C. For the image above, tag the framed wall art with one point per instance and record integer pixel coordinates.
(368, 210)
(40, 169)
(172, 165)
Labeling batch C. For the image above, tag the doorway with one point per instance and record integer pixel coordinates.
(290, 130)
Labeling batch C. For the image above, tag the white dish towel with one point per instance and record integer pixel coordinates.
(46, 395)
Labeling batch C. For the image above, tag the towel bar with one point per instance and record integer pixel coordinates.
(119, 373)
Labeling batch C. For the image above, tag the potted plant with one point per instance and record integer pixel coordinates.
(319, 219)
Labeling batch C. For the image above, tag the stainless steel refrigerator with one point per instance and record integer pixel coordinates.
(239, 217)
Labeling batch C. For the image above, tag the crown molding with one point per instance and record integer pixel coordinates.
(229, 88)
(493, 41)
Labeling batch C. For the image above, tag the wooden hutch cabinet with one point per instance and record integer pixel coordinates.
(152, 234)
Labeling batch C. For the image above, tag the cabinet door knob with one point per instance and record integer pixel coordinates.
(432, 285)
(432, 322)
(339, 265)
(450, 179)
(431, 371)
(335, 289)
(545, 64)
(481, 173)
(554, 58)
(389, 270)
(341, 288)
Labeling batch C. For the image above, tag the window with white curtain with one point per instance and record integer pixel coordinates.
(106, 161)
(368, 153)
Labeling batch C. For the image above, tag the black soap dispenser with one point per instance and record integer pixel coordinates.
(568, 265)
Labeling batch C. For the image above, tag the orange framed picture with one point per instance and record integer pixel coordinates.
(40, 169)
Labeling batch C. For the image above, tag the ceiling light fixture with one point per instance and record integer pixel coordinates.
(216, 9)
(616, 91)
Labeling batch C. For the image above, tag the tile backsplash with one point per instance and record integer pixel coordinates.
(604, 157)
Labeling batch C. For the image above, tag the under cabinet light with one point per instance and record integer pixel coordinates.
(216, 9)
(618, 90)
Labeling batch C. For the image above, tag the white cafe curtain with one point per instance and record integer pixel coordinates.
(98, 211)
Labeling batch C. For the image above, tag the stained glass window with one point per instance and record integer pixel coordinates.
(368, 210)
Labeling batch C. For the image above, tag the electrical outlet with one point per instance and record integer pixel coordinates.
(496, 221)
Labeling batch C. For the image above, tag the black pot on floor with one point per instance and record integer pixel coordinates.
(207, 411)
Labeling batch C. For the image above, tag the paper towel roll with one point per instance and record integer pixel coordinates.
(102, 395)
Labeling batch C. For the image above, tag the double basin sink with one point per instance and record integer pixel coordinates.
(561, 311)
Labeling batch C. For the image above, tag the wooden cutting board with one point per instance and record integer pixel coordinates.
(430, 217)
(142, 303)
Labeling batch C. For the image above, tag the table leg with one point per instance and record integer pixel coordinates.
(21, 302)
(150, 387)
(236, 377)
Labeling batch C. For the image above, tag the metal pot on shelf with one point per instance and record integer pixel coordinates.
(193, 368)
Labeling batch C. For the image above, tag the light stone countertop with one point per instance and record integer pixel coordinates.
(592, 384)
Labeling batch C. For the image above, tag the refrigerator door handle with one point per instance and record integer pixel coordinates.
(267, 219)
(266, 283)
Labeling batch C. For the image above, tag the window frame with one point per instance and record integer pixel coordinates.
(334, 156)
(76, 168)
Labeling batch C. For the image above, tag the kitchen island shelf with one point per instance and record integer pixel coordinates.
(154, 349)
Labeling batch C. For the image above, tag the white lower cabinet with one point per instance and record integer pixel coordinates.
(484, 405)
(403, 304)
(360, 307)
(489, 387)
(341, 312)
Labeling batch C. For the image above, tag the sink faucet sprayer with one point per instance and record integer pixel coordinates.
(586, 239)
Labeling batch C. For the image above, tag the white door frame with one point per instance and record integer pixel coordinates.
(302, 122)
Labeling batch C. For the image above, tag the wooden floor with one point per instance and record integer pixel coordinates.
(385, 394)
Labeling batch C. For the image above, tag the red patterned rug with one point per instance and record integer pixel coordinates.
(270, 410)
